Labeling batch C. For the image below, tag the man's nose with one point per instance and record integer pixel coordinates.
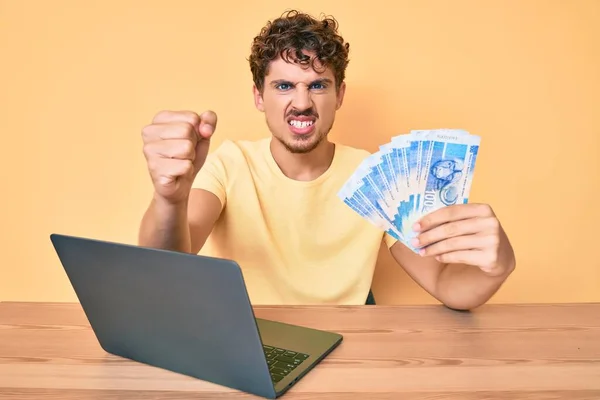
(302, 99)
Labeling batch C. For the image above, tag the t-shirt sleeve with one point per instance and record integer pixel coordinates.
(389, 240)
(212, 177)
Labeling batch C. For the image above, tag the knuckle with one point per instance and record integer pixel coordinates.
(437, 248)
(162, 115)
(494, 224)
(188, 166)
(443, 246)
(149, 150)
(450, 229)
(182, 130)
(191, 117)
(493, 241)
(166, 116)
(424, 238)
(484, 209)
(152, 165)
(491, 260)
(188, 149)
(147, 132)
(189, 129)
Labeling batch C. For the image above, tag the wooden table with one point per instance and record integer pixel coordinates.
(48, 351)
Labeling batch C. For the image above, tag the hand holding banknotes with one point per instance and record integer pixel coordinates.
(465, 234)
(412, 176)
(416, 188)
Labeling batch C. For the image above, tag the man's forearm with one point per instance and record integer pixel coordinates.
(165, 226)
(465, 287)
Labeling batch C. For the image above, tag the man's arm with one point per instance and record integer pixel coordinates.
(457, 286)
(180, 227)
(176, 146)
(466, 255)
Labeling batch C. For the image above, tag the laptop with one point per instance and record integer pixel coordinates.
(188, 314)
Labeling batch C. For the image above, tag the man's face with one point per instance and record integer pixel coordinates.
(299, 104)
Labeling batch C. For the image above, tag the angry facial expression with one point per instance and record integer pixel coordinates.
(299, 103)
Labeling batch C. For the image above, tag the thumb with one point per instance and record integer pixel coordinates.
(202, 148)
(206, 128)
(208, 125)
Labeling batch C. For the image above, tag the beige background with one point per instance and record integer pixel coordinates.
(79, 79)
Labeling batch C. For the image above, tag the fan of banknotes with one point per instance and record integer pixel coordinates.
(413, 175)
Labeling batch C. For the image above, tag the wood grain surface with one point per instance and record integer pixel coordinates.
(48, 351)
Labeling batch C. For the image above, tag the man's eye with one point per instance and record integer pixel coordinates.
(318, 86)
(283, 86)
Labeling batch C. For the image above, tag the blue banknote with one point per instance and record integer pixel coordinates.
(360, 195)
(441, 178)
(411, 176)
(389, 169)
(361, 206)
(377, 174)
(405, 171)
(447, 177)
(469, 172)
(373, 185)
(405, 161)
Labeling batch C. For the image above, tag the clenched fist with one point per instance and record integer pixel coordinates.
(175, 147)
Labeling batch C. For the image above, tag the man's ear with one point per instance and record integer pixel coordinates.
(340, 95)
(258, 100)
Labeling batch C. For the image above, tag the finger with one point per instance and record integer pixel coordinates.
(468, 257)
(453, 229)
(208, 124)
(452, 213)
(166, 170)
(167, 116)
(175, 130)
(181, 149)
(459, 243)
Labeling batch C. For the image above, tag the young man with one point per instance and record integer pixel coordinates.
(271, 204)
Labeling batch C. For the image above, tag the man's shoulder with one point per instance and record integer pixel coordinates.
(226, 159)
(234, 150)
(352, 150)
(349, 155)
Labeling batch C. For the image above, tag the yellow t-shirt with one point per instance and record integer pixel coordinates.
(296, 241)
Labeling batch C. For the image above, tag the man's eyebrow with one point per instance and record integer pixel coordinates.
(281, 81)
(322, 80)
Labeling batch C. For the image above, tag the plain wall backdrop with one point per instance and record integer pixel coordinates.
(79, 80)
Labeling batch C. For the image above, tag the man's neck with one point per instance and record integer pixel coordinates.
(303, 167)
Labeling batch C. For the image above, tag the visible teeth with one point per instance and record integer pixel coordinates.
(300, 124)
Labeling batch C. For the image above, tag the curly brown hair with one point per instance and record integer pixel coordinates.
(290, 34)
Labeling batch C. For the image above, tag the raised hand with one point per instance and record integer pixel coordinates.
(466, 234)
(176, 144)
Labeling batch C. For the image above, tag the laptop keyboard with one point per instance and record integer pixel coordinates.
(281, 361)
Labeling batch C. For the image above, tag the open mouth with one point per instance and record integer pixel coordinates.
(301, 124)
